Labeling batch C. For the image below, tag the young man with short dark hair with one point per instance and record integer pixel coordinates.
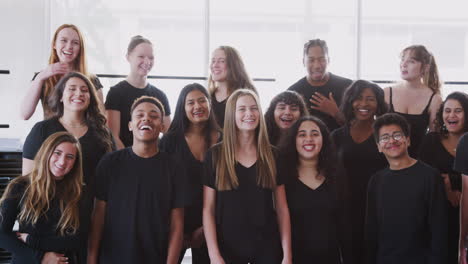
(138, 214)
(406, 207)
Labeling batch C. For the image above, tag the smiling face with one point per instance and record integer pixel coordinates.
(453, 116)
(410, 68)
(247, 113)
(197, 107)
(309, 141)
(286, 115)
(141, 59)
(146, 123)
(392, 142)
(218, 66)
(76, 96)
(67, 45)
(316, 63)
(62, 160)
(365, 105)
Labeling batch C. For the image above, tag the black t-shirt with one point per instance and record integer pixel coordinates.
(461, 160)
(219, 109)
(315, 222)
(335, 85)
(43, 236)
(407, 216)
(121, 97)
(92, 148)
(140, 194)
(245, 217)
(44, 99)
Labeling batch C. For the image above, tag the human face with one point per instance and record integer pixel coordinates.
(316, 62)
(309, 141)
(76, 96)
(62, 160)
(197, 107)
(454, 116)
(410, 68)
(146, 122)
(365, 105)
(218, 66)
(141, 59)
(393, 149)
(67, 45)
(247, 113)
(286, 115)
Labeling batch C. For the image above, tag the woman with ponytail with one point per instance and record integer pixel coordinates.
(418, 97)
(48, 204)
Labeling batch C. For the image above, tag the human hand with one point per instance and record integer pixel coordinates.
(54, 258)
(324, 104)
(22, 236)
(452, 196)
(54, 69)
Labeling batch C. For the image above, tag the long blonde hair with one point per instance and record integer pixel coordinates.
(41, 187)
(79, 63)
(225, 160)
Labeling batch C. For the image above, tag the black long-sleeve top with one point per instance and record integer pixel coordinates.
(406, 216)
(43, 236)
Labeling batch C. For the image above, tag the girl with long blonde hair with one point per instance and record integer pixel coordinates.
(245, 215)
(47, 202)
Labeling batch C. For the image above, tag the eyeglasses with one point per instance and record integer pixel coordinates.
(397, 136)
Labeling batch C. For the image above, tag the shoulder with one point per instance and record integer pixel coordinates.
(119, 87)
(463, 143)
(46, 127)
(425, 170)
(436, 102)
(342, 81)
(297, 86)
(376, 177)
(17, 187)
(115, 157)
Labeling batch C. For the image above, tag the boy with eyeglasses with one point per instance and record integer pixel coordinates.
(406, 208)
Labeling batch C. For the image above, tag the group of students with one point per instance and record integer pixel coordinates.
(335, 171)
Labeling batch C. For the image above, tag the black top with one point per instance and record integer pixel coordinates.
(418, 125)
(219, 109)
(178, 146)
(91, 146)
(140, 194)
(245, 217)
(407, 216)
(121, 97)
(360, 161)
(43, 236)
(461, 161)
(335, 85)
(45, 99)
(434, 153)
(315, 222)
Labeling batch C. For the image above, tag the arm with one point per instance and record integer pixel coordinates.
(31, 98)
(95, 234)
(371, 225)
(438, 222)
(463, 219)
(433, 108)
(27, 166)
(176, 235)
(209, 225)
(284, 222)
(113, 122)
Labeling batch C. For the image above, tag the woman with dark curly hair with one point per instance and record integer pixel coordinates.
(284, 110)
(192, 132)
(438, 150)
(357, 151)
(309, 165)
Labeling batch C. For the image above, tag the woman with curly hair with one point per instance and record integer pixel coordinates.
(438, 150)
(48, 204)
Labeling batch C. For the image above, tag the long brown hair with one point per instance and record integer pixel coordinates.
(93, 116)
(225, 160)
(79, 63)
(41, 187)
(237, 76)
(431, 75)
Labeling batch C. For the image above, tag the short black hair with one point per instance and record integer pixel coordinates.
(390, 119)
(354, 91)
(148, 99)
(316, 43)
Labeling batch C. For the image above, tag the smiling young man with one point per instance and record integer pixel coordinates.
(138, 214)
(406, 208)
(321, 89)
